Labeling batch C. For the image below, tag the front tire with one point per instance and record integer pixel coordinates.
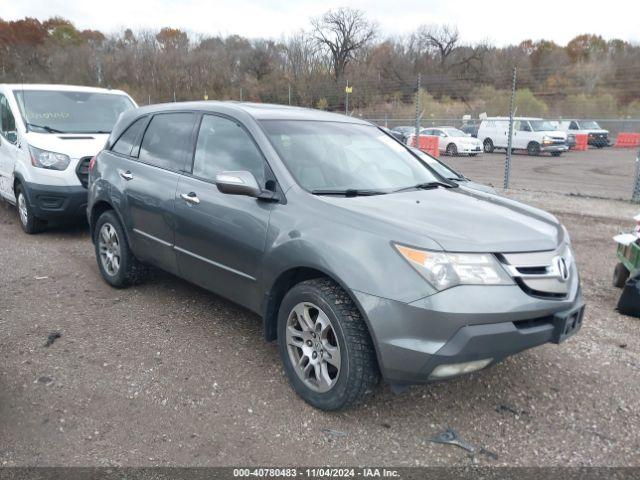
(28, 220)
(488, 145)
(452, 150)
(118, 266)
(533, 149)
(325, 346)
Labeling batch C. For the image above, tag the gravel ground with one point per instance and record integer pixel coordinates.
(168, 374)
(606, 173)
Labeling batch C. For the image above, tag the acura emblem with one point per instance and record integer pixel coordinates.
(560, 265)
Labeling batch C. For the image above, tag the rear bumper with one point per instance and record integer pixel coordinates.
(464, 324)
(50, 201)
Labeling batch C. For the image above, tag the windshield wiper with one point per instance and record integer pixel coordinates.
(46, 128)
(349, 192)
(427, 186)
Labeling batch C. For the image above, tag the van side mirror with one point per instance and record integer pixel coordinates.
(12, 136)
(238, 183)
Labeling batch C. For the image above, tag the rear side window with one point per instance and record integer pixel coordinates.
(167, 141)
(223, 145)
(129, 138)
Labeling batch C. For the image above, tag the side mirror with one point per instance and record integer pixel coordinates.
(238, 183)
(12, 136)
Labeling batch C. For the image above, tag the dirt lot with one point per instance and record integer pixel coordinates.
(168, 374)
(606, 173)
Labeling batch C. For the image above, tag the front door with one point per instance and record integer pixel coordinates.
(9, 150)
(220, 238)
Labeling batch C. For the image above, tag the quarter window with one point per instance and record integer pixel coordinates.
(223, 145)
(129, 138)
(167, 141)
(7, 120)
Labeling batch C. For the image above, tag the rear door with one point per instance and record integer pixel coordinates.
(148, 180)
(220, 238)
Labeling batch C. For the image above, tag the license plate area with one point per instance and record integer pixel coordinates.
(568, 324)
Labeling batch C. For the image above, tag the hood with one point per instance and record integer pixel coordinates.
(554, 133)
(459, 220)
(76, 145)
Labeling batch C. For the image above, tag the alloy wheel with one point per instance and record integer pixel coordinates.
(313, 347)
(109, 248)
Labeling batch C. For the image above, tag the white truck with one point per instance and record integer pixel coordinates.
(48, 135)
(535, 135)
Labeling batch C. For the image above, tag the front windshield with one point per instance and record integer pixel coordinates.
(542, 126)
(71, 112)
(343, 156)
(440, 168)
(589, 125)
(454, 132)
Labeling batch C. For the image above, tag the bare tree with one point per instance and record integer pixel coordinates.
(343, 32)
(443, 39)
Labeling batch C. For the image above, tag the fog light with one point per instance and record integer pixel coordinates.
(453, 369)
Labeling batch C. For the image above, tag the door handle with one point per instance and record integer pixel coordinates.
(190, 197)
(126, 175)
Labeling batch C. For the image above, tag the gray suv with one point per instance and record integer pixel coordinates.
(362, 261)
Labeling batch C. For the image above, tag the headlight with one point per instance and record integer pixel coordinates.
(445, 270)
(547, 139)
(51, 160)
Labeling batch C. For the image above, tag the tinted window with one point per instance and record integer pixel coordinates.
(223, 145)
(127, 140)
(7, 122)
(167, 140)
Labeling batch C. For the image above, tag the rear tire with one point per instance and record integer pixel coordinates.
(620, 275)
(118, 266)
(325, 346)
(488, 145)
(533, 149)
(28, 220)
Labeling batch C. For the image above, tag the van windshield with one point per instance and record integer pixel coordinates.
(542, 126)
(589, 124)
(344, 156)
(71, 112)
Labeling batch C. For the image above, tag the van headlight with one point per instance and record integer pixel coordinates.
(445, 270)
(547, 140)
(51, 160)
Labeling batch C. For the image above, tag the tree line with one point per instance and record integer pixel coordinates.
(588, 77)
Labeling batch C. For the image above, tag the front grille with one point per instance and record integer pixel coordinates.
(82, 171)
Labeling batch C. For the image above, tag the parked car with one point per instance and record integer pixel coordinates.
(534, 135)
(454, 142)
(361, 259)
(596, 136)
(48, 135)
(405, 130)
(449, 173)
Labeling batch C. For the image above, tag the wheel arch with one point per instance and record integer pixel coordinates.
(97, 209)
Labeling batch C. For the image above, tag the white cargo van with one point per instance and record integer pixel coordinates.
(534, 135)
(596, 135)
(48, 135)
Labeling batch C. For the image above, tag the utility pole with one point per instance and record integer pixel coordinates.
(289, 94)
(241, 94)
(507, 162)
(418, 87)
(174, 96)
(346, 98)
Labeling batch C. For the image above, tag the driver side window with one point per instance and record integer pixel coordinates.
(525, 127)
(7, 121)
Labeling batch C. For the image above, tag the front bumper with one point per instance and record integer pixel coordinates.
(50, 201)
(554, 148)
(463, 324)
(469, 149)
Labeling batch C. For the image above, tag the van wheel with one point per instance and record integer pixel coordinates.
(325, 346)
(555, 154)
(117, 264)
(488, 145)
(533, 148)
(28, 220)
(620, 275)
(452, 150)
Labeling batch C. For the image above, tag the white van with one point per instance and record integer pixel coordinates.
(48, 135)
(596, 135)
(534, 135)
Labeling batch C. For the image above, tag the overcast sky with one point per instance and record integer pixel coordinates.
(500, 22)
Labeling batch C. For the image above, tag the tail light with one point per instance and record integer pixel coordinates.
(92, 163)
